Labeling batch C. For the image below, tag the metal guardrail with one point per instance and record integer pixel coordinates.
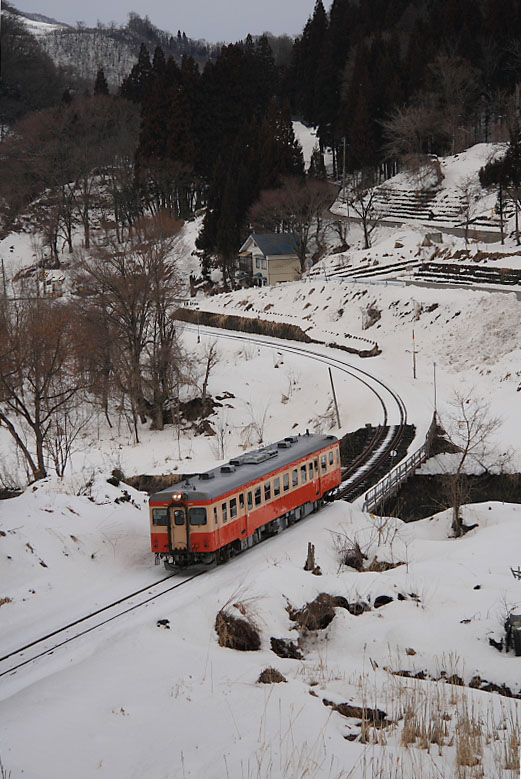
(391, 482)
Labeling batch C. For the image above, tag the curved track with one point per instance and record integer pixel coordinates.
(356, 476)
(46, 645)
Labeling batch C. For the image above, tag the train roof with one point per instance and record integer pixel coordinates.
(246, 468)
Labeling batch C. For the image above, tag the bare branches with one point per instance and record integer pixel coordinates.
(38, 378)
(297, 207)
(469, 427)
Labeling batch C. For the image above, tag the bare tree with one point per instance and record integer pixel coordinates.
(410, 129)
(469, 428)
(361, 198)
(38, 381)
(135, 286)
(469, 192)
(298, 208)
(211, 359)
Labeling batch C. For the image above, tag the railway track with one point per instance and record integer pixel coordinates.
(355, 480)
(359, 475)
(94, 620)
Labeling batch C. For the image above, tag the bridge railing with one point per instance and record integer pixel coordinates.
(392, 481)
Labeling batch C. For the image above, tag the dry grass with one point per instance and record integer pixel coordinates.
(3, 601)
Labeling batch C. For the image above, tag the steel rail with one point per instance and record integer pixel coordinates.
(87, 617)
(358, 470)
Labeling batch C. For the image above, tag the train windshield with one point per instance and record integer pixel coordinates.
(198, 516)
(160, 516)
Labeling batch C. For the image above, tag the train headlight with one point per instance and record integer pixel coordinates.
(177, 496)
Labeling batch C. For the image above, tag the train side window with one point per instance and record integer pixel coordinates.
(276, 486)
(216, 520)
(303, 474)
(241, 501)
(179, 517)
(224, 511)
(233, 508)
(267, 490)
(323, 462)
(160, 517)
(310, 470)
(258, 496)
(331, 457)
(294, 478)
(285, 482)
(198, 516)
(315, 465)
(337, 455)
(250, 501)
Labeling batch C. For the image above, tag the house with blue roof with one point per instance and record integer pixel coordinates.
(267, 259)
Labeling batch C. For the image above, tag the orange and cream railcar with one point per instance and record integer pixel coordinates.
(209, 516)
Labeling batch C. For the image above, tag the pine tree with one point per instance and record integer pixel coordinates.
(136, 85)
(100, 85)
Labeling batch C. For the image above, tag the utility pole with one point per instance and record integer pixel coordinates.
(334, 398)
(344, 169)
(413, 356)
(434, 377)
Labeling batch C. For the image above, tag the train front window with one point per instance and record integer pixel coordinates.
(179, 517)
(198, 516)
(160, 517)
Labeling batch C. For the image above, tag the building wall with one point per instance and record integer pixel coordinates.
(283, 269)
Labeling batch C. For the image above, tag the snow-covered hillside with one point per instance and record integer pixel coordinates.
(152, 694)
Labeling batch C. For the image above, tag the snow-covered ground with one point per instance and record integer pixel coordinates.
(138, 698)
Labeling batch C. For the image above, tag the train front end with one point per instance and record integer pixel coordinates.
(179, 529)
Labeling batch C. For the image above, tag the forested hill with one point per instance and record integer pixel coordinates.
(81, 50)
(440, 68)
(384, 81)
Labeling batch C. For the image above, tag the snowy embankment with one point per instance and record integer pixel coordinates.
(153, 694)
(144, 698)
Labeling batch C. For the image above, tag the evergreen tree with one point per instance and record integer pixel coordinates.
(100, 85)
(136, 85)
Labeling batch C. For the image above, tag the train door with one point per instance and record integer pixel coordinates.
(178, 528)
